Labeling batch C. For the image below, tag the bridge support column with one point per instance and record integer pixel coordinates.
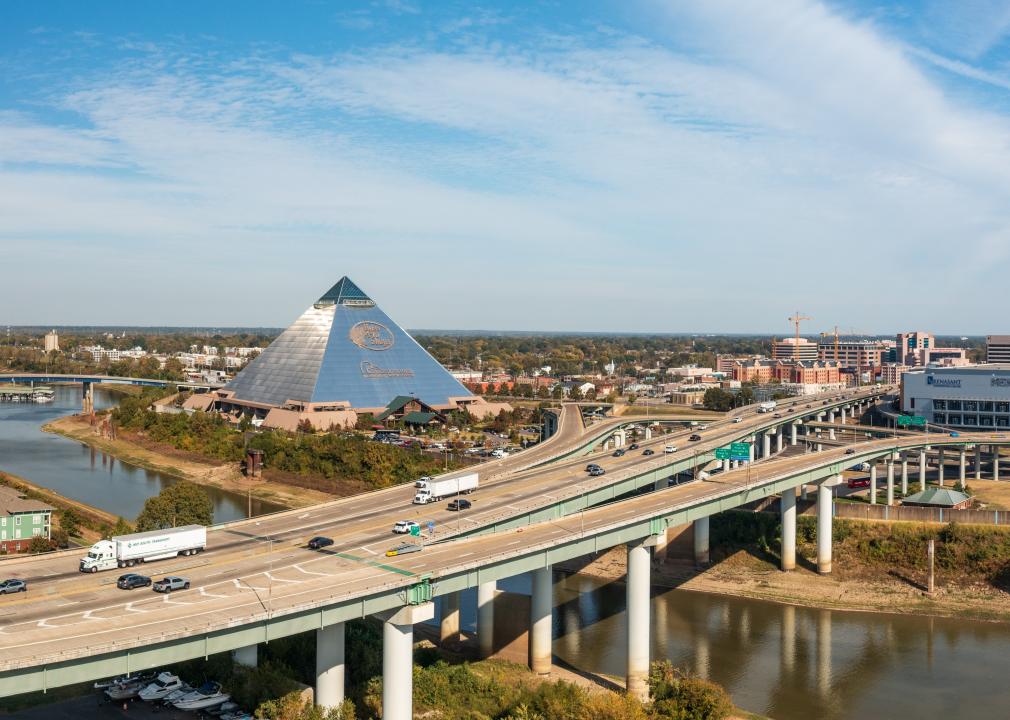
(648, 432)
(398, 659)
(873, 482)
(922, 470)
(87, 399)
(904, 474)
(541, 609)
(766, 445)
(890, 482)
(961, 468)
(330, 666)
(939, 468)
(485, 617)
(247, 656)
(824, 510)
(792, 434)
(700, 541)
(831, 433)
(751, 451)
(787, 505)
(778, 440)
(843, 416)
(995, 462)
(736, 464)
(725, 465)
(831, 416)
(449, 622)
(978, 462)
(638, 620)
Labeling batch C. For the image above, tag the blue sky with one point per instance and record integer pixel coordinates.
(638, 165)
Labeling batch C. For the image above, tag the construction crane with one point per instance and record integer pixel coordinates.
(796, 320)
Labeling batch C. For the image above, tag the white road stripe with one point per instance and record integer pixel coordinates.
(368, 550)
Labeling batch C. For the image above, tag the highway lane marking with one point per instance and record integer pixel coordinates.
(203, 591)
(299, 568)
(129, 608)
(366, 549)
(281, 580)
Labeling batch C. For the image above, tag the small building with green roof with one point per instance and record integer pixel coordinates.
(939, 497)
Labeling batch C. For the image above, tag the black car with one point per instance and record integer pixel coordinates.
(850, 451)
(13, 586)
(459, 504)
(591, 467)
(633, 446)
(648, 451)
(695, 437)
(619, 452)
(132, 580)
(320, 542)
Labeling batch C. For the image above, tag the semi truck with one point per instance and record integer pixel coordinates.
(429, 490)
(128, 550)
(767, 406)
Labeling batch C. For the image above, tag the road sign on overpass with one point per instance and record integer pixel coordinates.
(723, 454)
(911, 420)
(740, 448)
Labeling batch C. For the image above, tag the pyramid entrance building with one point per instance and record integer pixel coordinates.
(343, 357)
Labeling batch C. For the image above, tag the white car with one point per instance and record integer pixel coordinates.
(405, 527)
(670, 449)
(737, 419)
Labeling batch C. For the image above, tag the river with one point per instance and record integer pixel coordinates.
(82, 473)
(789, 663)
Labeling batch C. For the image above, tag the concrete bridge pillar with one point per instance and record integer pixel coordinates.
(766, 445)
(824, 509)
(88, 399)
(778, 440)
(843, 412)
(247, 656)
(831, 433)
(638, 620)
(995, 462)
(904, 474)
(648, 432)
(449, 623)
(485, 617)
(961, 468)
(620, 438)
(890, 482)
(750, 451)
(787, 506)
(939, 468)
(978, 462)
(873, 482)
(922, 470)
(736, 464)
(792, 434)
(329, 691)
(541, 609)
(725, 465)
(700, 541)
(398, 659)
(831, 416)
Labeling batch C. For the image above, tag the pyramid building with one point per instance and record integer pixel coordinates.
(344, 356)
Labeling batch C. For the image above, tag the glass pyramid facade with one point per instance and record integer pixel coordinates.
(345, 349)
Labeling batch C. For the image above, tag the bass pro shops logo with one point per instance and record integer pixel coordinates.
(371, 336)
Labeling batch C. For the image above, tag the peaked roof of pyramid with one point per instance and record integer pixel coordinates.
(344, 348)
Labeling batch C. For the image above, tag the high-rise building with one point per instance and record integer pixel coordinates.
(913, 348)
(787, 349)
(52, 341)
(997, 349)
(863, 354)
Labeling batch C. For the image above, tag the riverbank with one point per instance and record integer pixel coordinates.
(95, 517)
(856, 588)
(224, 476)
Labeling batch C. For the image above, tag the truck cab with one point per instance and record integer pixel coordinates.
(423, 496)
(101, 556)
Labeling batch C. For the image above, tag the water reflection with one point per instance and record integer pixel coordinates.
(80, 472)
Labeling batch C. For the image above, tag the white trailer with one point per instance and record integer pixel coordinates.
(429, 490)
(128, 550)
(767, 406)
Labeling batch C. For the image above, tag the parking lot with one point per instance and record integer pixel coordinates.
(92, 707)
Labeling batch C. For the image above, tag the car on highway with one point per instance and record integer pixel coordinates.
(648, 451)
(955, 434)
(619, 452)
(670, 449)
(737, 419)
(405, 527)
(459, 504)
(850, 451)
(13, 586)
(859, 482)
(597, 471)
(171, 584)
(132, 580)
(592, 466)
(319, 542)
(633, 446)
(695, 438)
(403, 549)
(809, 406)
(777, 415)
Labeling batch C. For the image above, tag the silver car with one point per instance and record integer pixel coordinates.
(13, 586)
(170, 584)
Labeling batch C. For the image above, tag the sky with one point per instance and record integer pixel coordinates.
(635, 165)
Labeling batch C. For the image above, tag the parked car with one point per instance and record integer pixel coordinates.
(403, 549)
(132, 580)
(13, 586)
(695, 438)
(648, 451)
(405, 527)
(859, 482)
(459, 504)
(171, 584)
(619, 452)
(597, 471)
(319, 542)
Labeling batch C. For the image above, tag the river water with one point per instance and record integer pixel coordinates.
(786, 662)
(90, 476)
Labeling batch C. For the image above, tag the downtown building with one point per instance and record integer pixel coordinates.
(341, 359)
(975, 397)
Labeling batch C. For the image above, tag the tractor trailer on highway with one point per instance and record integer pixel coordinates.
(428, 490)
(128, 550)
(767, 406)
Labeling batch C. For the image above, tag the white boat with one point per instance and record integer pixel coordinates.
(226, 709)
(164, 684)
(186, 689)
(143, 677)
(203, 702)
(124, 691)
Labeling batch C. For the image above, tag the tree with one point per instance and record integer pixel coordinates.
(718, 399)
(183, 503)
(70, 521)
(39, 544)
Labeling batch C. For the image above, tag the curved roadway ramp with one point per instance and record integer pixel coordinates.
(257, 581)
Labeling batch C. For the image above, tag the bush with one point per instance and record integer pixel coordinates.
(678, 696)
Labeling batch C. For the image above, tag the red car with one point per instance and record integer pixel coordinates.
(859, 482)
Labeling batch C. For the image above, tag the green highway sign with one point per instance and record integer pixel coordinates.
(918, 420)
(740, 448)
(904, 419)
(911, 420)
(723, 454)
